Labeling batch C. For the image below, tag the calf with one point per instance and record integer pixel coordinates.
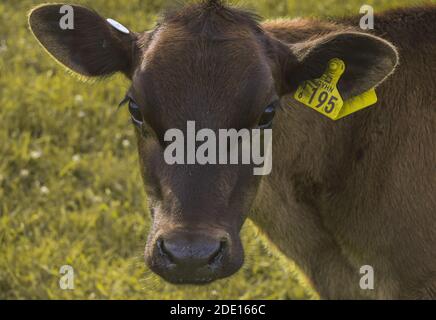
(341, 194)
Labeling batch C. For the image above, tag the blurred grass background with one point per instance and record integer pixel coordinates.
(70, 189)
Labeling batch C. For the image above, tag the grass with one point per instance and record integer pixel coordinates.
(70, 189)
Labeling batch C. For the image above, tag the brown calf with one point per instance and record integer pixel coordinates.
(341, 195)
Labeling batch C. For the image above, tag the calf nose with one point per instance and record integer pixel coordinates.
(191, 250)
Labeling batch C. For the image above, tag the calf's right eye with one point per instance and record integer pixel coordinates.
(135, 113)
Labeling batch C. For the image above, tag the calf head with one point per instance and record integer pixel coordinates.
(216, 66)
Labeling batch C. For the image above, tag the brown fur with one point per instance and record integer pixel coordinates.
(362, 189)
(358, 191)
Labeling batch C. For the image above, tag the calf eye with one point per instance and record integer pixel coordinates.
(135, 113)
(267, 117)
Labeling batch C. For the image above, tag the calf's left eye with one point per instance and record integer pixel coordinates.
(267, 117)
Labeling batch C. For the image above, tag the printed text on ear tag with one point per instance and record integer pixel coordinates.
(323, 96)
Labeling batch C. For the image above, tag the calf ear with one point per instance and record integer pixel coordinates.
(369, 60)
(84, 42)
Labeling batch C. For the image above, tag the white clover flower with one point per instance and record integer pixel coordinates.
(125, 143)
(78, 99)
(24, 173)
(35, 154)
(44, 190)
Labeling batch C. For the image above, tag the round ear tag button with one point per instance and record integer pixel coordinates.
(118, 26)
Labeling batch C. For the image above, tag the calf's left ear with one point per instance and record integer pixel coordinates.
(369, 60)
(82, 40)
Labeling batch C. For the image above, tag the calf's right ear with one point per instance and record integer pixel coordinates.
(368, 59)
(83, 41)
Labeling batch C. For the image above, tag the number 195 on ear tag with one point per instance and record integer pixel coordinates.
(321, 94)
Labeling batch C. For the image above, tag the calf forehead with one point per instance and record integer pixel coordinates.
(187, 76)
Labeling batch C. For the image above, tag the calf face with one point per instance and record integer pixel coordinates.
(216, 66)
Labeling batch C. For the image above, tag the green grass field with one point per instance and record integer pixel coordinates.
(70, 189)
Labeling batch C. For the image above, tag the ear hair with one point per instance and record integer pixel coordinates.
(93, 48)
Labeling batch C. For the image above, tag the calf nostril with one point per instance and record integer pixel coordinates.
(215, 257)
(162, 250)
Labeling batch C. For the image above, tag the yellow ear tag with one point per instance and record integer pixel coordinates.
(323, 96)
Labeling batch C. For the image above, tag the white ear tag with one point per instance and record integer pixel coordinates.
(118, 26)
